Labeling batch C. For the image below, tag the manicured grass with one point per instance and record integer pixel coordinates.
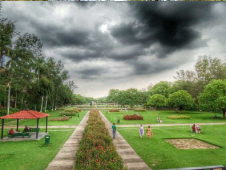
(32, 155)
(42, 122)
(150, 117)
(159, 154)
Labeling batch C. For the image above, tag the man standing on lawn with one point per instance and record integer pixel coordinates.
(114, 130)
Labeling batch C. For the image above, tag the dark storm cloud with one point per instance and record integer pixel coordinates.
(91, 73)
(147, 30)
(169, 24)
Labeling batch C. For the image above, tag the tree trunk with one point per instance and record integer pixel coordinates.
(52, 106)
(8, 104)
(224, 111)
(35, 107)
(15, 100)
(41, 104)
(46, 104)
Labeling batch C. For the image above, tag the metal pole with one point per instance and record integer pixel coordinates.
(17, 124)
(37, 129)
(2, 128)
(46, 123)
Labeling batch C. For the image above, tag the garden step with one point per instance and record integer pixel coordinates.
(66, 156)
(69, 149)
(63, 164)
(136, 166)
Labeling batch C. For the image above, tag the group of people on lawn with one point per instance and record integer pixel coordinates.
(149, 132)
(26, 129)
(194, 128)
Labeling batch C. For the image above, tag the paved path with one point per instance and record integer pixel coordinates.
(49, 127)
(130, 158)
(176, 124)
(65, 159)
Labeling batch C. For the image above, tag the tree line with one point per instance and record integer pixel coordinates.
(201, 89)
(28, 79)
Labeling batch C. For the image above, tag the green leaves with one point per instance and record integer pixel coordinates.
(181, 99)
(157, 100)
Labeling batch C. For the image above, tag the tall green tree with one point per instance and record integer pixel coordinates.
(157, 100)
(180, 99)
(214, 96)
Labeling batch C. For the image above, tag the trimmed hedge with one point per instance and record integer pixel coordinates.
(96, 149)
(114, 110)
(178, 117)
(133, 117)
(140, 110)
(68, 114)
(59, 118)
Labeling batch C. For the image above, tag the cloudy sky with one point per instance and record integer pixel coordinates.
(123, 45)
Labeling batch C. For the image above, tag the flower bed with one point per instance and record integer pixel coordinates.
(96, 149)
(140, 110)
(133, 117)
(178, 117)
(59, 118)
(114, 110)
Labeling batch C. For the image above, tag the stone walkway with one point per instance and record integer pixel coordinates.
(130, 158)
(176, 124)
(65, 159)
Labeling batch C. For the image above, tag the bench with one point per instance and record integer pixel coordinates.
(34, 129)
(19, 134)
(202, 168)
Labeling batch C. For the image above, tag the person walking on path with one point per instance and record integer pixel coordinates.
(141, 131)
(149, 132)
(114, 130)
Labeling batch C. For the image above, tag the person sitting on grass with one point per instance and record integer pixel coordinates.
(160, 121)
(193, 128)
(149, 132)
(198, 128)
(26, 129)
(141, 131)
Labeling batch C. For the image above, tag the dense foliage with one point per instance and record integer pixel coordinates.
(96, 149)
(157, 100)
(114, 110)
(180, 99)
(214, 96)
(28, 79)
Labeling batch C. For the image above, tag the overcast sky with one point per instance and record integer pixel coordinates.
(123, 45)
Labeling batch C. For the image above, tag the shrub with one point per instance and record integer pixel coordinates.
(178, 117)
(96, 149)
(59, 118)
(114, 110)
(140, 110)
(68, 114)
(133, 117)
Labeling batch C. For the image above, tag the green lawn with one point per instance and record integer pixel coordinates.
(32, 155)
(150, 117)
(42, 122)
(158, 154)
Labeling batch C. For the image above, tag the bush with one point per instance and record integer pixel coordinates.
(140, 110)
(133, 117)
(59, 118)
(68, 114)
(114, 110)
(178, 117)
(96, 149)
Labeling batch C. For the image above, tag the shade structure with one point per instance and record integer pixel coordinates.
(25, 114)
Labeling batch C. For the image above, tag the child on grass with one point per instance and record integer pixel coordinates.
(141, 131)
